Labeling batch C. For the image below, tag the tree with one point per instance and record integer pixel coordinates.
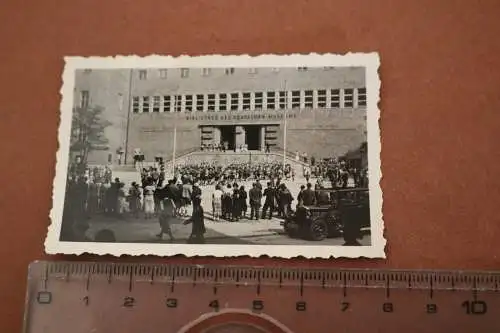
(88, 132)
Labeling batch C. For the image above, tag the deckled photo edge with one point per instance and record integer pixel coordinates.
(63, 136)
(371, 61)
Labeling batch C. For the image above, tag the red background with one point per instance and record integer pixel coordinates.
(440, 110)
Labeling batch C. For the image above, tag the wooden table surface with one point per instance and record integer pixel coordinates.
(440, 110)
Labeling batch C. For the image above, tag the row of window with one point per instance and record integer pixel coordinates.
(270, 100)
(185, 72)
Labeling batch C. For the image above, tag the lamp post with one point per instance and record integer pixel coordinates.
(174, 140)
(173, 150)
(285, 126)
(119, 151)
(129, 111)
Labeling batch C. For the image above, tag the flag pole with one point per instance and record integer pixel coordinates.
(285, 128)
(175, 141)
(173, 151)
(129, 111)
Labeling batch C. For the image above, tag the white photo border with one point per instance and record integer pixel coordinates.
(371, 61)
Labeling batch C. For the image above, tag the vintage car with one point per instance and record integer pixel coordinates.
(345, 215)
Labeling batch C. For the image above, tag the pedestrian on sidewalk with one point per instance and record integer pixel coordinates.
(300, 200)
(243, 201)
(80, 196)
(196, 192)
(167, 214)
(269, 203)
(172, 192)
(307, 173)
(149, 201)
(122, 200)
(134, 199)
(115, 187)
(277, 194)
(322, 197)
(187, 191)
(285, 200)
(236, 208)
(93, 201)
(255, 196)
(227, 203)
(316, 192)
(107, 197)
(217, 203)
(308, 196)
(197, 221)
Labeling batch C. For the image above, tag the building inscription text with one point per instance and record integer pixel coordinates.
(240, 117)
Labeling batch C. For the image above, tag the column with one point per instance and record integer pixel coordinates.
(240, 136)
(216, 135)
(202, 141)
(262, 138)
(207, 135)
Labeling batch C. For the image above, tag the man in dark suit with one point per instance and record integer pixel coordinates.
(284, 200)
(258, 184)
(270, 195)
(308, 196)
(255, 196)
(197, 221)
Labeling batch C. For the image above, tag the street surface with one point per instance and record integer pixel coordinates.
(263, 231)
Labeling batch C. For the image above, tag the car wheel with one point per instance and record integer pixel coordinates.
(334, 226)
(318, 230)
(289, 231)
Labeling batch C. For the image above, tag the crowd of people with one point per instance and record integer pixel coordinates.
(231, 201)
(95, 192)
(206, 173)
(210, 173)
(89, 197)
(235, 191)
(224, 146)
(340, 173)
(96, 173)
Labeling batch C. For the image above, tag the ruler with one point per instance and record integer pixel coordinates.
(148, 298)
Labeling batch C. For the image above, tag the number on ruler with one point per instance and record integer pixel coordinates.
(431, 308)
(257, 305)
(128, 302)
(300, 306)
(171, 303)
(475, 307)
(214, 305)
(388, 307)
(344, 306)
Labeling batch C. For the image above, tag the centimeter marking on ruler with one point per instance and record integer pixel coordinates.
(47, 279)
(262, 276)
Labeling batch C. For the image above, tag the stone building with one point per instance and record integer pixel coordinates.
(323, 109)
(107, 89)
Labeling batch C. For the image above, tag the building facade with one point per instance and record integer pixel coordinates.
(107, 89)
(322, 110)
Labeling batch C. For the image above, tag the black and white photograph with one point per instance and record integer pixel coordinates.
(219, 156)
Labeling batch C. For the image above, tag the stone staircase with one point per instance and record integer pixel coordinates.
(126, 172)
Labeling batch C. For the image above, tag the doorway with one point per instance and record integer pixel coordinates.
(253, 133)
(227, 135)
